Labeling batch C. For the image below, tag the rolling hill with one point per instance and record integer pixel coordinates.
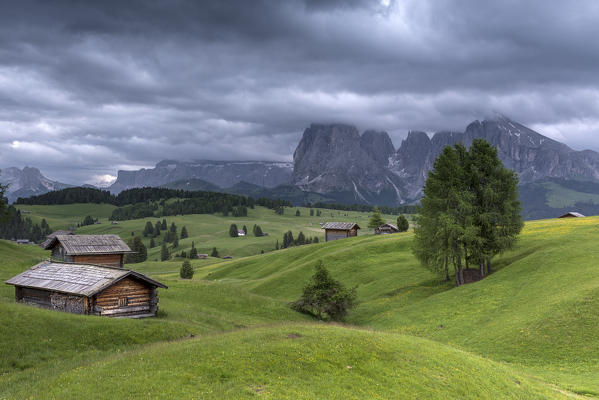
(529, 330)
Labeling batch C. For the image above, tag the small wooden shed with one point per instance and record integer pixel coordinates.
(340, 230)
(53, 235)
(89, 249)
(572, 214)
(88, 289)
(386, 229)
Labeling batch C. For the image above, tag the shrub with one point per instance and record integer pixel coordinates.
(324, 297)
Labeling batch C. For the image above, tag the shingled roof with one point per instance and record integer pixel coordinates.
(344, 226)
(89, 244)
(53, 235)
(80, 279)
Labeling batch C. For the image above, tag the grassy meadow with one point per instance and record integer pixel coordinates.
(528, 331)
(205, 230)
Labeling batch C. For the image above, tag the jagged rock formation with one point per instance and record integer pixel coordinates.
(27, 182)
(334, 159)
(220, 173)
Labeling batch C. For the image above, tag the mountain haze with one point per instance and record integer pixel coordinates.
(27, 182)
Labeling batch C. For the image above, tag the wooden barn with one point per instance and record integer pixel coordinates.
(88, 289)
(89, 249)
(572, 214)
(386, 229)
(340, 230)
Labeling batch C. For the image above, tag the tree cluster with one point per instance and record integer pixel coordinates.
(470, 211)
(404, 209)
(141, 253)
(301, 239)
(324, 297)
(14, 226)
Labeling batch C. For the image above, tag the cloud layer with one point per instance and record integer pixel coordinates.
(87, 88)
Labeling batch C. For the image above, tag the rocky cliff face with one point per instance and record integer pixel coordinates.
(27, 182)
(336, 160)
(220, 173)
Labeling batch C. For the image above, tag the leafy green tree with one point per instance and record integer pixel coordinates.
(164, 253)
(233, 231)
(325, 297)
(402, 223)
(186, 271)
(376, 219)
(214, 252)
(149, 229)
(184, 233)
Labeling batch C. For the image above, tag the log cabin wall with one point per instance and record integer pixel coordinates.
(112, 260)
(352, 232)
(126, 297)
(334, 234)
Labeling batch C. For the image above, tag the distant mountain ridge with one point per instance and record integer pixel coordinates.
(220, 173)
(27, 182)
(335, 163)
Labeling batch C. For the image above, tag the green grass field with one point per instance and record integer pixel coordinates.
(205, 230)
(529, 330)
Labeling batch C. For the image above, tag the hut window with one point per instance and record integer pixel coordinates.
(123, 301)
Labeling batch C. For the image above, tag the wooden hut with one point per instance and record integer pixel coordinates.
(53, 235)
(88, 289)
(340, 230)
(386, 229)
(91, 249)
(572, 214)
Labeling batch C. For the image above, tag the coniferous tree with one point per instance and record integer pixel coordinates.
(184, 233)
(175, 242)
(277, 245)
(470, 211)
(3, 203)
(149, 229)
(297, 213)
(163, 226)
(233, 231)
(152, 243)
(186, 271)
(157, 228)
(301, 239)
(141, 253)
(173, 227)
(311, 212)
(376, 219)
(164, 253)
(214, 252)
(258, 231)
(193, 253)
(245, 230)
(402, 223)
(315, 240)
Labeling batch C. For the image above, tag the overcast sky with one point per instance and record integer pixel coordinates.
(86, 90)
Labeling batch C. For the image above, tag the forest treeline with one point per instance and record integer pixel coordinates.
(403, 209)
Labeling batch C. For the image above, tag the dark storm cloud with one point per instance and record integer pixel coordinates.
(109, 85)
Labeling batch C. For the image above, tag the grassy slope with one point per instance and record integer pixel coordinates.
(68, 215)
(560, 196)
(298, 362)
(206, 231)
(538, 313)
(540, 310)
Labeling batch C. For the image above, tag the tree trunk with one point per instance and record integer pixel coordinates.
(466, 257)
(482, 269)
(460, 270)
(456, 273)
